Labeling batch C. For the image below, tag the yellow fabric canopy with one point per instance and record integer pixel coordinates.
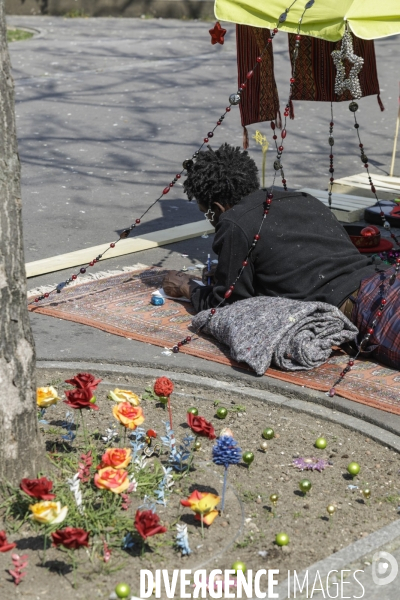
(326, 19)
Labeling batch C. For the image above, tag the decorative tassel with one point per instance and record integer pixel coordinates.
(291, 109)
(380, 102)
(245, 138)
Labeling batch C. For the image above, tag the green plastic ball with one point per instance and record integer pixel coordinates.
(248, 457)
(221, 412)
(122, 590)
(268, 433)
(193, 410)
(305, 485)
(321, 443)
(282, 539)
(353, 468)
(239, 566)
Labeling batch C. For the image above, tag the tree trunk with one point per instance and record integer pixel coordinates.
(21, 453)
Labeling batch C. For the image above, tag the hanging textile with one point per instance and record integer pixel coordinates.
(261, 100)
(315, 70)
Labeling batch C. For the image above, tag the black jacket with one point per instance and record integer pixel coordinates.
(303, 253)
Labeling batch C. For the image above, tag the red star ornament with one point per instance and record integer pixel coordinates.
(217, 34)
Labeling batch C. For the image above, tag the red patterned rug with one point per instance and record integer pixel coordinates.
(120, 304)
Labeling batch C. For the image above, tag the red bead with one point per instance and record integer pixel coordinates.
(379, 313)
(280, 148)
(175, 349)
(179, 344)
(231, 287)
(228, 109)
(331, 179)
(171, 184)
(166, 190)
(219, 122)
(268, 201)
(274, 137)
(283, 134)
(210, 134)
(342, 374)
(398, 260)
(256, 237)
(46, 295)
(373, 190)
(82, 270)
(331, 156)
(269, 40)
(188, 339)
(331, 124)
(366, 166)
(212, 311)
(351, 363)
(228, 293)
(276, 30)
(249, 74)
(292, 80)
(266, 211)
(370, 330)
(138, 220)
(332, 392)
(361, 145)
(74, 277)
(272, 125)
(383, 301)
(177, 176)
(91, 264)
(112, 245)
(36, 299)
(245, 263)
(286, 113)
(259, 58)
(298, 37)
(242, 86)
(205, 140)
(270, 195)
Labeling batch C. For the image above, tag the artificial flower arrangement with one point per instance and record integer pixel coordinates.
(65, 509)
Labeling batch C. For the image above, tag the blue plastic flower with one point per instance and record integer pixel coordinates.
(226, 451)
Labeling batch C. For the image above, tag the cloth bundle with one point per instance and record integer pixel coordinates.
(291, 334)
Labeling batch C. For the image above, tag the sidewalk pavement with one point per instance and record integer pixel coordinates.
(107, 110)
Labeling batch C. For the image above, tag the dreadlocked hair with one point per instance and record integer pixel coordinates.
(225, 176)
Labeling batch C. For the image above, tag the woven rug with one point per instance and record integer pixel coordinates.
(121, 305)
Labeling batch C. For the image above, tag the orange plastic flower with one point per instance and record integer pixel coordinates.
(118, 458)
(130, 416)
(115, 480)
(202, 504)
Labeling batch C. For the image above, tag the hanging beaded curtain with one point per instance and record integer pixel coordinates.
(315, 70)
(261, 101)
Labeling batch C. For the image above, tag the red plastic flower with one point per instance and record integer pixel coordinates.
(84, 380)
(5, 546)
(148, 523)
(38, 488)
(71, 538)
(217, 34)
(81, 398)
(200, 426)
(163, 387)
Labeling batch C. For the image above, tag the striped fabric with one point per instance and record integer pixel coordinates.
(385, 341)
(315, 69)
(261, 101)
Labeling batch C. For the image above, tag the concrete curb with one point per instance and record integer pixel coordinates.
(375, 432)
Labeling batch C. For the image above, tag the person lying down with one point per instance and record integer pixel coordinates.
(301, 252)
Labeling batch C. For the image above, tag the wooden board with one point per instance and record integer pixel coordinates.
(345, 207)
(128, 246)
(382, 183)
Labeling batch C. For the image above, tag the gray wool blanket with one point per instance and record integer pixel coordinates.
(291, 334)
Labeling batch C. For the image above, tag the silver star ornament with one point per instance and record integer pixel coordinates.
(346, 52)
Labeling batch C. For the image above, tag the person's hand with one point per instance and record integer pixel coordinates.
(209, 274)
(176, 284)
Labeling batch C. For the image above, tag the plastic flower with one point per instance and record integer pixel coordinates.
(203, 503)
(115, 480)
(46, 396)
(38, 488)
(81, 398)
(71, 538)
(5, 545)
(163, 387)
(124, 396)
(226, 451)
(147, 523)
(84, 381)
(310, 464)
(130, 416)
(49, 513)
(200, 426)
(118, 458)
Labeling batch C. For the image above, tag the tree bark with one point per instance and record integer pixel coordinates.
(21, 453)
